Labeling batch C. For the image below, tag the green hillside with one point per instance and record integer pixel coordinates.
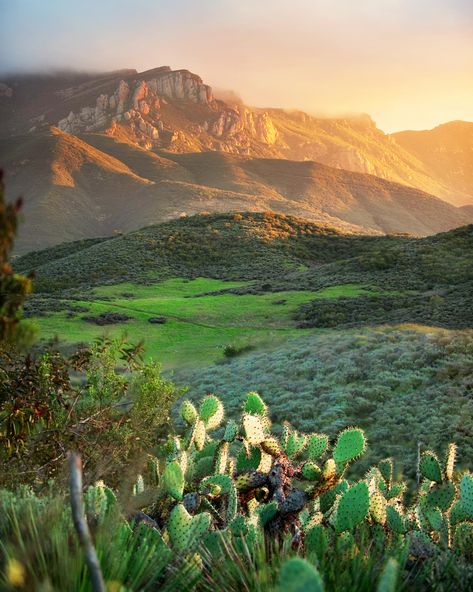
(269, 277)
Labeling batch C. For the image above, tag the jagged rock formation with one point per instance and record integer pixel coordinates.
(137, 109)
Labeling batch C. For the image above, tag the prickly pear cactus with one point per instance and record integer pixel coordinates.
(173, 480)
(245, 483)
(351, 444)
(185, 530)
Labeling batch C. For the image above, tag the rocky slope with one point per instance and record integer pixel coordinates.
(176, 111)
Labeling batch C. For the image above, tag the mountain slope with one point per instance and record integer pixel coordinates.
(92, 185)
(176, 111)
(447, 153)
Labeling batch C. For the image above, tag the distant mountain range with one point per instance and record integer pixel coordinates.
(94, 154)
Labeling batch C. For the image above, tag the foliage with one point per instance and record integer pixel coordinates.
(101, 401)
(13, 287)
(230, 494)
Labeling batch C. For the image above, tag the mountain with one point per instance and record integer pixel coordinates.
(93, 185)
(97, 153)
(447, 153)
(175, 110)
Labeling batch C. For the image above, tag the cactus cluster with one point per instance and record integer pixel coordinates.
(249, 484)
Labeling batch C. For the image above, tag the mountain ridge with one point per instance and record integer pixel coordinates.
(177, 111)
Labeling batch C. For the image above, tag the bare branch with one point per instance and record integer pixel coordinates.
(80, 523)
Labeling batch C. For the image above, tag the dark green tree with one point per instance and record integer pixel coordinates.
(13, 287)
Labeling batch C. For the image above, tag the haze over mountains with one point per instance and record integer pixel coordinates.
(94, 154)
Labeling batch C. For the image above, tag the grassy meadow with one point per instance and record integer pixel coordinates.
(200, 320)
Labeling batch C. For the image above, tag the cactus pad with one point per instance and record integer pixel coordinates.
(429, 466)
(386, 469)
(311, 471)
(254, 430)
(388, 580)
(188, 412)
(351, 444)
(353, 507)
(184, 530)
(295, 444)
(395, 520)
(223, 482)
(255, 405)
(221, 457)
(248, 462)
(463, 539)
(211, 412)
(378, 508)
(441, 495)
(271, 446)
(173, 480)
(466, 494)
(266, 512)
(396, 490)
(317, 445)
(329, 470)
(231, 431)
(298, 575)
(327, 499)
(450, 461)
(252, 480)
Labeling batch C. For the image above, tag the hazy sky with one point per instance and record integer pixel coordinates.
(409, 63)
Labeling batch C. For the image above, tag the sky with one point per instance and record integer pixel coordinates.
(408, 63)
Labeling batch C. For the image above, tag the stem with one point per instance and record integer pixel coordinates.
(80, 523)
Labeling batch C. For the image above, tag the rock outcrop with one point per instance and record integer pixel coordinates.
(146, 109)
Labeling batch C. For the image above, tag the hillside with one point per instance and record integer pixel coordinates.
(93, 185)
(447, 153)
(398, 279)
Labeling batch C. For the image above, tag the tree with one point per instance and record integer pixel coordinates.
(13, 287)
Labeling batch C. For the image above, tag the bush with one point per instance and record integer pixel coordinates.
(101, 401)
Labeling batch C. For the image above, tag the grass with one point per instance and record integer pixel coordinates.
(199, 323)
